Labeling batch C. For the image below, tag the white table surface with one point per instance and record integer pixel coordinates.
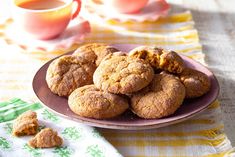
(215, 21)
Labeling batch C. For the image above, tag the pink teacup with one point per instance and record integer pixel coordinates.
(44, 19)
(126, 6)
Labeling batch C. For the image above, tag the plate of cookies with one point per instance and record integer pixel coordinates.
(125, 86)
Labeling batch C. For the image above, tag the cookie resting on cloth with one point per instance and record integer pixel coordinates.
(46, 138)
(25, 124)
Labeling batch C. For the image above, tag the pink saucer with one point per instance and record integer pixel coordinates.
(127, 121)
(151, 12)
(74, 34)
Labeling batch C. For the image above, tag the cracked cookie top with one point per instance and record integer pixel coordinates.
(159, 58)
(149, 54)
(89, 101)
(195, 82)
(171, 62)
(162, 97)
(122, 74)
(69, 72)
(95, 52)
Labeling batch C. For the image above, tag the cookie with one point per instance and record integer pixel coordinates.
(95, 52)
(69, 72)
(89, 101)
(149, 54)
(195, 82)
(25, 124)
(161, 98)
(159, 58)
(46, 138)
(122, 74)
(171, 62)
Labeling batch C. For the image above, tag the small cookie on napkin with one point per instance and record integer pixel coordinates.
(26, 124)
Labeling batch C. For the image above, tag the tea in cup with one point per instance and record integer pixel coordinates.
(44, 19)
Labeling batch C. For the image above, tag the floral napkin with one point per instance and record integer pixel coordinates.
(79, 140)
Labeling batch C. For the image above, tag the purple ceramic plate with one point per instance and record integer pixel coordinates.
(127, 121)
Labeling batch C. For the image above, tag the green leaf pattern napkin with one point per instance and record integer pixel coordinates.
(79, 140)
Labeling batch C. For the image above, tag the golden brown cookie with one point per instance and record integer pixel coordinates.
(89, 101)
(46, 138)
(159, 58)
(171, 62)
(122, 74)
(95, 52)
(195, 82)
(149, 54)
(25, 124)
(69, 72)
(161, 98)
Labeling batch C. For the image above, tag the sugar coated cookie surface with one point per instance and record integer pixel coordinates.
(95, 52)
(89, 101)
(161, 98)
(195, 82)
(122, 74)
(69, 72)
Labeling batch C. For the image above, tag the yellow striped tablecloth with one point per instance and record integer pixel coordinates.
(202, 135)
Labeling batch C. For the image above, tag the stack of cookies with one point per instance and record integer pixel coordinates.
(101, 82)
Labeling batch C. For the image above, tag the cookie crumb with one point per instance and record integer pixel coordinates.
(26, 124)
(46, 138)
